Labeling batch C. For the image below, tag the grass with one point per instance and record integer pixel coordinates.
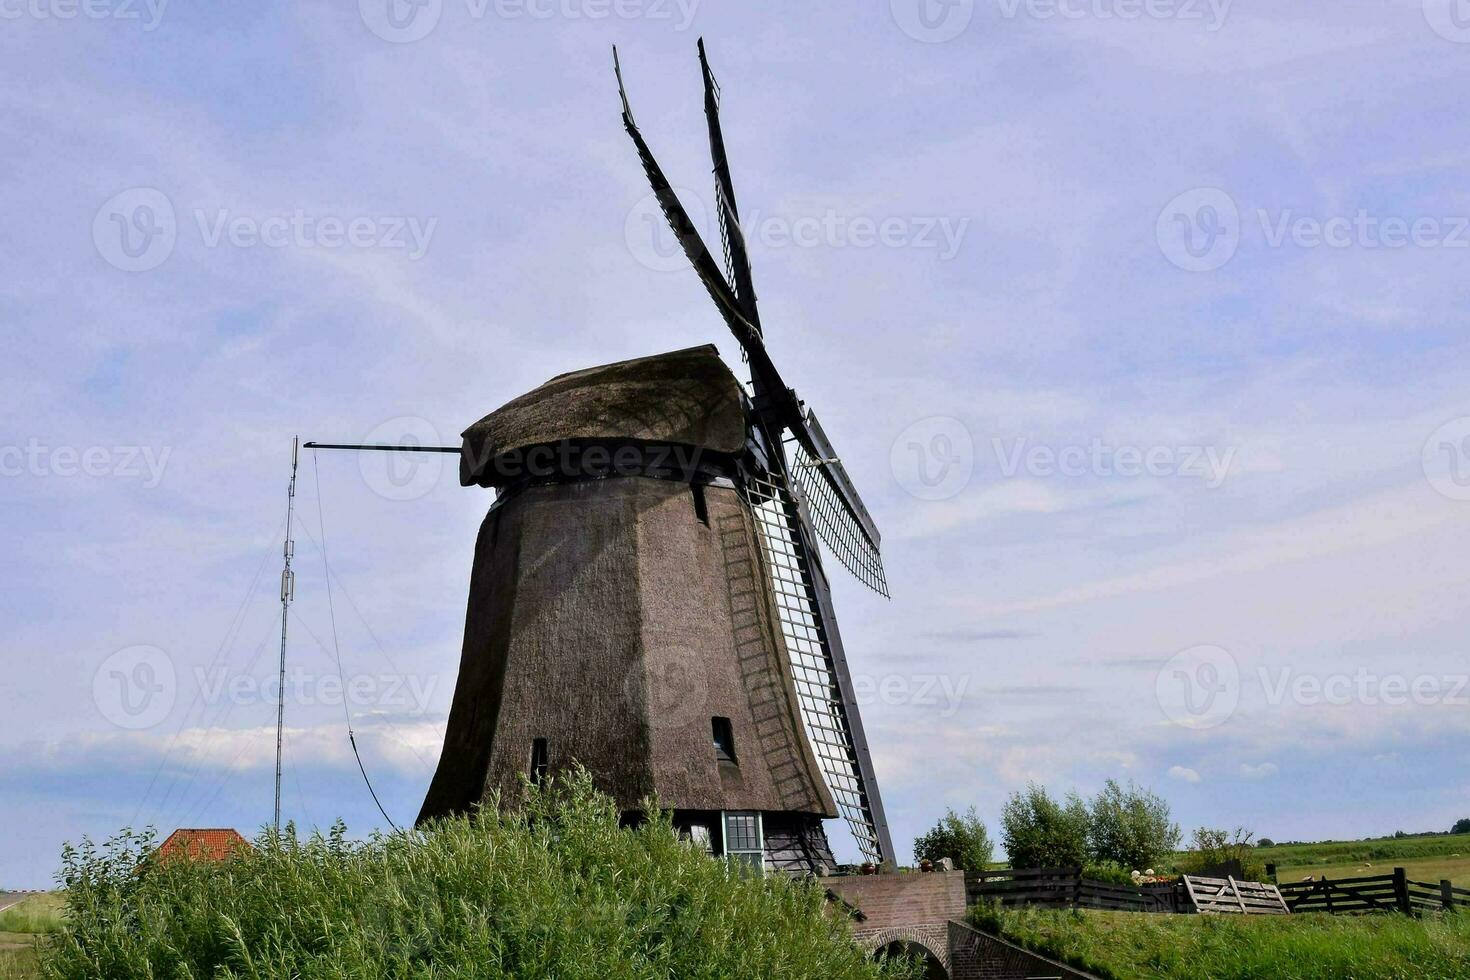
(556, 888)
(1140, 946)
(35, 915)
(1424, 858)
(20, 927)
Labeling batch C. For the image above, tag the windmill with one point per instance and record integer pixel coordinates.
(648, 599)
(797, 487)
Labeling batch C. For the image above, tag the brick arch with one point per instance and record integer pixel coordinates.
(932, 939)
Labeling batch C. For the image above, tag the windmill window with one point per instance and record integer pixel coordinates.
(744, 840)
(701, 506)
(724, 738)
(540, 761)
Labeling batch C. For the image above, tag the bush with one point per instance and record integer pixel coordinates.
(1130, 827)
(556, 888)
(1210, 848)
(963, 839)
(1039, 832)
(1265, 842)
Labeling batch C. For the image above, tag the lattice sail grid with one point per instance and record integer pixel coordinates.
(823, 712)
(839, 530)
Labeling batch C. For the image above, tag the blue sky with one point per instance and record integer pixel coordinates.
(1140, 326)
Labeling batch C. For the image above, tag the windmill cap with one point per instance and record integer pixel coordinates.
(684, 398)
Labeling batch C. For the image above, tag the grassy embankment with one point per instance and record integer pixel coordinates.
(1137, 946)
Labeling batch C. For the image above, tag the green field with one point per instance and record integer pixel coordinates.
(20, 927)
(1138, 946)
(1424, 858)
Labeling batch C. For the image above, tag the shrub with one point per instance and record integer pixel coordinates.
(1130, 827)
(960, 838)
(1210, 848)
(1265, 842)
(1039, 832)
(555, 888)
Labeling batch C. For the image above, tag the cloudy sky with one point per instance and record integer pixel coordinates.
(1141, 326)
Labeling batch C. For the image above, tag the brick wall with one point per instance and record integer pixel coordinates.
(897, 900)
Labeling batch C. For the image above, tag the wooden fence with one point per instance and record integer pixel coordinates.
(1231, 897)
(1378, 893)
(1066, 888)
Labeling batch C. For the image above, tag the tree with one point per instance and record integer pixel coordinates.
(1039, 832)
(1130, 827)
(1211, 848)
(963, 839)
(1462, 826)
(1265, 842)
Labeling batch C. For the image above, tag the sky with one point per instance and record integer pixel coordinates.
(1140, 325)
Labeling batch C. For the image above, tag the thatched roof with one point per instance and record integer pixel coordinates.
(686, 397)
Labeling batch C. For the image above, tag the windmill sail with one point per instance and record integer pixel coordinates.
(818, 494)
(818, 664)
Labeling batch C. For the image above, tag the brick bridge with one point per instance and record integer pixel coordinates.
(924, 914)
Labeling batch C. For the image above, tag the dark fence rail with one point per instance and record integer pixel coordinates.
(1066, 888)
(1394, 892)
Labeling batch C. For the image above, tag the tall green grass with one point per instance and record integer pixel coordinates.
(554, 889)
(37, 914)
(1132, 945)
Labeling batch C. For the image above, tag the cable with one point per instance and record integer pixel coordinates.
(336, 645)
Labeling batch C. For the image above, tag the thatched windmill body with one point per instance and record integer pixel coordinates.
(647, 596)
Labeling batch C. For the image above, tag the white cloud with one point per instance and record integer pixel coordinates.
(1184, 774)
(1263, 771)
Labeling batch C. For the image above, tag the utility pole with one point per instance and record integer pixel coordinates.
(288, 592)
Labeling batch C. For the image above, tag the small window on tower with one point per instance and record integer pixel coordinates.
(701, 506)
(540, 762)
(724, 737)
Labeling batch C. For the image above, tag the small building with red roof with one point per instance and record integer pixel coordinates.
(202, 845)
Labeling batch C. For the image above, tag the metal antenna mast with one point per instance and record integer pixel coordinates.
(288, 592)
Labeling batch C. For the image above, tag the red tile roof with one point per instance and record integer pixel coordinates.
(207, 845)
